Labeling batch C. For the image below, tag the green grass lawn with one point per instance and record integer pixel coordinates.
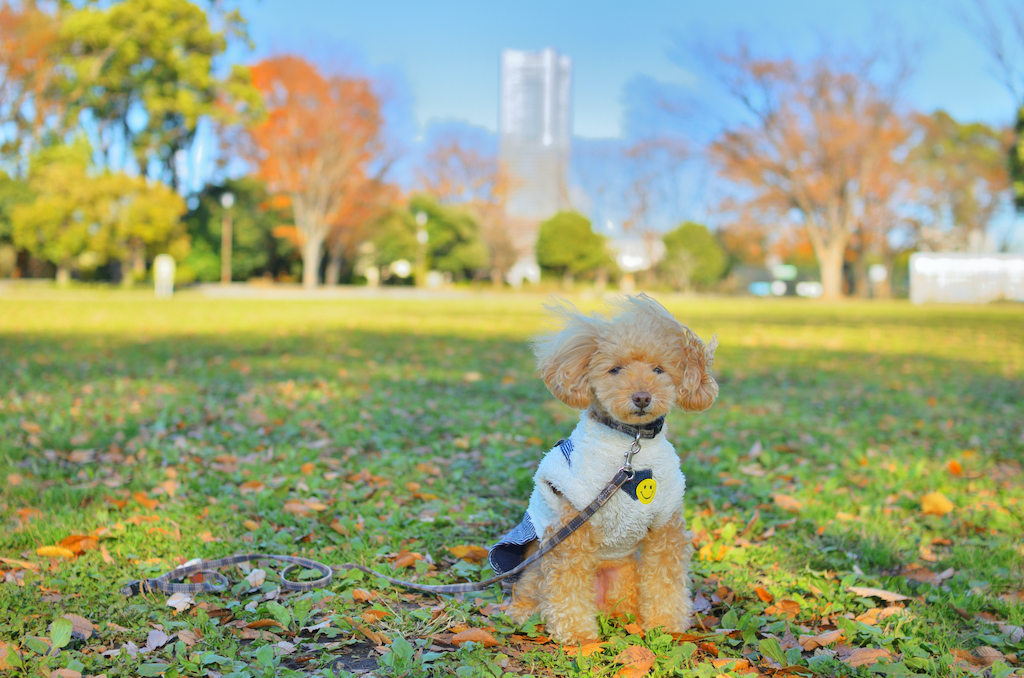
(390, 432)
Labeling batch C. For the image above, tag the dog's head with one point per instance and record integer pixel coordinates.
(634, 364)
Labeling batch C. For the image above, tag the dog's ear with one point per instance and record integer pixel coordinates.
(696, 389)
(563, 358)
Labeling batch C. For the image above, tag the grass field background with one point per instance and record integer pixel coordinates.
(854, 446)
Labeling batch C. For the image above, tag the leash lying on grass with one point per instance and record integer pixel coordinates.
(166, 583)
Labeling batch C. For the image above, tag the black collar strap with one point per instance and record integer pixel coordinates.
(648, 430)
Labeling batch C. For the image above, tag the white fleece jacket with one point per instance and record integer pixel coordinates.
(581, 467)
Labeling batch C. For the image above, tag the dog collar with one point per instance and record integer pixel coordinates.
(648, 430)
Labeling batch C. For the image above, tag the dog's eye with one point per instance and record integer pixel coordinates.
(658, 370)
(614, 370)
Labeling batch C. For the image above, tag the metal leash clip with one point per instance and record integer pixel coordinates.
(627, 468)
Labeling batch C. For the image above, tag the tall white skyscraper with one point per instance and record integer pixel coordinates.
(535, 127)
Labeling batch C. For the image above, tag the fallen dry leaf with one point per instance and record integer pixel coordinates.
(475, 636)
(361, 595)
(250, 486)
(55, 552)
(81, 627)
(263, 623)
(936, 504)
(65, 673)
(868, 592)
(24, 564)
(865, 656)
(106, 555)
(787, 503)
(308, 468)
(637, 662)
(809, 643)
(635, 629)
(877, 614)
(763, 595)
(955, 468)
(119, 503)
(189, 637)
(371, 616)
(406, 559)
(737, 664)
(585, 650)
(181, 601)
(4, 650)
(143, 499)
(250, 525)
(472, 554)
(256, 577)
(13, 479)
(784, 608)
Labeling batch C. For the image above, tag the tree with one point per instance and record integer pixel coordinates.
(692, 257)
(816, 132)
(1000, 29)
(315, 146)
(81, 219)
(566, 245)
(255, 251)
(28, 58)
(144, 71)
(964, 169)
(461, 170)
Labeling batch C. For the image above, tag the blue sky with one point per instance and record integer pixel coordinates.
(441, 57)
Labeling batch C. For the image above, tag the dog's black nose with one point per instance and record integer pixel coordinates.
(642, 399)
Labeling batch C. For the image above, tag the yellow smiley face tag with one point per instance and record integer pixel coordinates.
(645, 490)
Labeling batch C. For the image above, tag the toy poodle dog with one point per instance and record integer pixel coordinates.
(625, 372)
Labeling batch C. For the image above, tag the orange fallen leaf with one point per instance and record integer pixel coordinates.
(30, 428)
(263, 623)
(763, 595)
(637, 662)
(936, 504)
(250, 486)
(877, 614)
(474, 636)
(106, 555)
(585, 650)
(250, 525)
(339, 528)
(406, 559)
(27, 514)
(119, 503)
(737, 664)
(14, 479)
(55, 552)
(207, 537)
(413, 486)
(361, 595)
(635, 629)
(79, 543)
(472, 554)
(371, 616)
(24, 564)
(786, 502)
(954, 467)
(865, 656)
(785, 608)
(143, 499)
(809, 643)
(308, 468)
(170, 487)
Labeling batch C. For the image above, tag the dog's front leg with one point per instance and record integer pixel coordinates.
(568, 599)
(665, 577)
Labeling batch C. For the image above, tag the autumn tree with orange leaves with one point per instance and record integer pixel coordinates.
(316, 145)
(815, 137)
(456, 171)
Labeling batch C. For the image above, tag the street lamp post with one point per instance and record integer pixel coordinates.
(421, 251)
(227, 201)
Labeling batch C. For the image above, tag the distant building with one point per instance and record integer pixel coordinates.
(966, 278)
(535, 127)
